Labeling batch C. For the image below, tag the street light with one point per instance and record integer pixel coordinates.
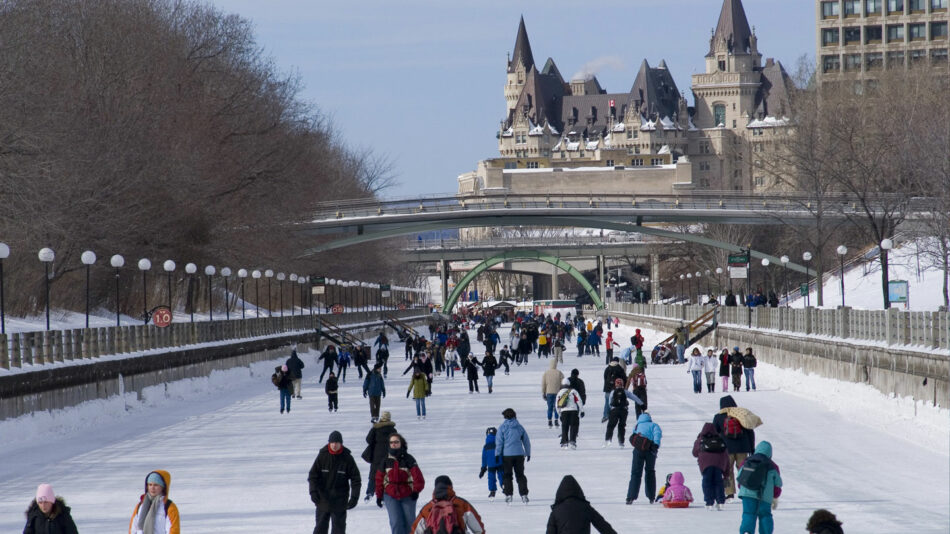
(719, 281)
(785, 260)
(806, 257)
(256, 275)
(242, 274)
(842, 250)
(191, 269)
(117, 262)
(88, 258)
(169, 267)
(765, 272)
(4, 254)
(689, 288)
(47, 256)
(682, 284)
(699, 288)
(225, 273)
(708, 291)
(293, 307)
(886, 245)
(209, 272)
(269, 274)
(144, 266)
(280, 278)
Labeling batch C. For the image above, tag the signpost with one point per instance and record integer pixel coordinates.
(803, 290)
(161, 316)
(336, 309)
(897, 291)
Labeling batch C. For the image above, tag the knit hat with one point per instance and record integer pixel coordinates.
(155, 478)
(575, 372)
(44, 493)
(385, 417)
(335, 437)
(443, 480)
(736, 348)
(283, 368)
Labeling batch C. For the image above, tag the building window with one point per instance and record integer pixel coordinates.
(916, 56)
(636, 150)
(872, 7)
(852, 62)
(719, 114)
(895, 59)
(581, 155)
(829, 10)
(938, 5)
(917, 32)
(759, 181)
(636, 134)
(895, 33)
(852, 36)
(895, 6)
(916, 6)
(629, 134)
(704, 166)
(610, 163)
(938, 56)
(852, 8)
(830, 64)
(873, 34)
(722, 65)
(938, 31)
(511, 165)
(656, 161)
(636, 162)
(734, 123)
(532, 164)
(830, 37)
(874, 61)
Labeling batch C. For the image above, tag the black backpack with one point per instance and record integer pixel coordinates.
(712, 443)
(754, 472)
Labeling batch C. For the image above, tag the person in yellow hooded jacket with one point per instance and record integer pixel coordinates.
(155, 513)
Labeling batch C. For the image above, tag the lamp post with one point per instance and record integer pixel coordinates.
(269, 274)
(191, 269)
(708, 291)
(256, 275)
(765, 273)
(842, 250)
(280, 285)
(682, 284)
(144, 266)
(293, 307)
(117, 262)
(886, 246)
(47, 256)
(4, 254)
(784, 260)
(169, 267)
(699, 288)
(209, 271)
(242, 274)
(718, 282)
(806, 257)
(88, 258)
(225, 273)
(689, 288)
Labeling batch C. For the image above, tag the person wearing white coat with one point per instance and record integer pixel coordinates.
(711, 364)
(696, 366)
(571, 409)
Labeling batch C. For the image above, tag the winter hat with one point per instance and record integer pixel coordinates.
(727, 402)
(736, 348)
(491, 430)
(44, 493)
(155, 478)
(385, 417)
(823, 521)
(283, 368)
(443, 480)
(566, 383)
(575, 372)
(335, 437)
(508, 413)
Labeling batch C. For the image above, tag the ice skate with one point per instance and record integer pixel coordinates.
(524, 499)
(718, 506)
(491, 496)
(605, 445)
(573, 446)
(508, 500)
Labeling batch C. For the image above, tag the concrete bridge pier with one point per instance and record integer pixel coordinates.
(554, 288)
(655, 277)
(444, 274)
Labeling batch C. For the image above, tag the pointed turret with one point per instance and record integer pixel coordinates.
(654, 92)
(522, 53)
(733, 30)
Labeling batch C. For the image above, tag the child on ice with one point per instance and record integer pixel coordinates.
(677, 495)
(491, 463)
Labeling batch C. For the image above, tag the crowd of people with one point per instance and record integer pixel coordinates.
(732, 465)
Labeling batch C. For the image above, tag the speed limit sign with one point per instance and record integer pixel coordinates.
(162, 316)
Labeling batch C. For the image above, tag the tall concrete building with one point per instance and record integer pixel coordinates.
(646, 140)
(857, 39)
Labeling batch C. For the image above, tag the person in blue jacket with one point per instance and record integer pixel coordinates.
(650, 430)
(374, 387)
(491, 463)
(757, 504)
(513, 448)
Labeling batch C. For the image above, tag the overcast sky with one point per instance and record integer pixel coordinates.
(421, 82)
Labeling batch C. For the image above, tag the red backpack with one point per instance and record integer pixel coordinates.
(732, 428)
(441, 519)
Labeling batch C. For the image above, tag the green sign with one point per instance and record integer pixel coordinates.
(738, 259)
(318, 280)
(804, 290)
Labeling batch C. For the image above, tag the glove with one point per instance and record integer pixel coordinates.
(414, 495)
(774, 504)
(352, 504)
(527, 458)
(364, 395)
(582, 415)
(384, 395)
(482, 472)
(379, 502)
(407, 395)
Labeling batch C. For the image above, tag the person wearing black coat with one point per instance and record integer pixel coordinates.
(329, 357)
(361, 360)
(571, 513)
(738, 448)
(731, 299)
(48, 514)
(334, 485)
(377, 448)
(470, 366)
(578, 385)
(295, 368)
(489, 364)
(524, 347)
(612, 372)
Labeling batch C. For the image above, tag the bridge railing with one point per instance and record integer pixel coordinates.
(892, 327)
(20, 349)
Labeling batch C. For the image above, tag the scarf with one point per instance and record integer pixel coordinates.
(147, 513)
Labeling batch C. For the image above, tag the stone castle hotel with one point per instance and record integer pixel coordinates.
(647, 140)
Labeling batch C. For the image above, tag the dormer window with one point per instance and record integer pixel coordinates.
(722, 65)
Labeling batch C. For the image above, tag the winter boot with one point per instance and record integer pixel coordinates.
(557, 422)
(489, 389)
(491, 496)
(550, 424)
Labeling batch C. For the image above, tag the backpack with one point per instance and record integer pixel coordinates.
(641, 442)
(732, 428)
(564, 398)
(441, 519)
(754, 472)
(712, 443)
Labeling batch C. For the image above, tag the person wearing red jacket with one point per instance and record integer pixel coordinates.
(398, 484)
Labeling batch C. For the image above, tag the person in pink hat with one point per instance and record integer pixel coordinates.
(48, 514)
